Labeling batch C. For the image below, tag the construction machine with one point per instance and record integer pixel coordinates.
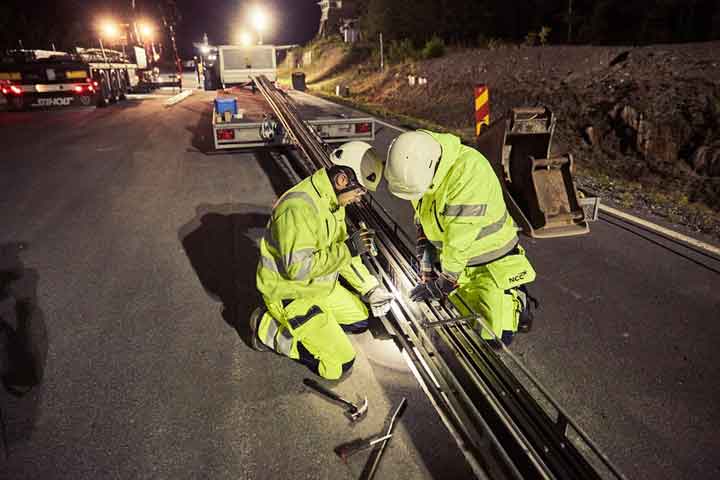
(539, 189)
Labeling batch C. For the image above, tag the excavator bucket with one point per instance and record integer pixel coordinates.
(539, 189)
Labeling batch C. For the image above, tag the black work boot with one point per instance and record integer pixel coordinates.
(255, 318)
(505, 339)
(525, 321)
(527, 314)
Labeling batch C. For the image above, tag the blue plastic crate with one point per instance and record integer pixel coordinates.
(226, 104)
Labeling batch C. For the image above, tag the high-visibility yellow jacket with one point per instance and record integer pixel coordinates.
(463, 213)
(303, 250)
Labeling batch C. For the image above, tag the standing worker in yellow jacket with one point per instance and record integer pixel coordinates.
(468, 248)
(305, 249)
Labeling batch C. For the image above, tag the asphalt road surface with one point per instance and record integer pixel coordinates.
(136, 252)
(140, 254)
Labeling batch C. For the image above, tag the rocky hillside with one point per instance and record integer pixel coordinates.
(643, 123)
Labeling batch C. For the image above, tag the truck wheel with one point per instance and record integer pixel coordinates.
(114, 90)
(123, 88)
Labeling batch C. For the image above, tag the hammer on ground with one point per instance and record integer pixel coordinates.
(354, 412)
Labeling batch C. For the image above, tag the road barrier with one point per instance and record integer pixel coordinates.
(482, 107)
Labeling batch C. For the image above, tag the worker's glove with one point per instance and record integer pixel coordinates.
(437, 289)
(380, 300)
(361, 242)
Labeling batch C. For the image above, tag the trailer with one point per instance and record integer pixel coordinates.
(43, 79)
(242, 118)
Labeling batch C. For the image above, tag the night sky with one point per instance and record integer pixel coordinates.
(293, 21)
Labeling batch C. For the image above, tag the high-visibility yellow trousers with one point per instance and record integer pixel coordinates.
(491, 291)
(310, 330)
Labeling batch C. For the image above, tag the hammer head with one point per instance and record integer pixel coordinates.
(358, 412)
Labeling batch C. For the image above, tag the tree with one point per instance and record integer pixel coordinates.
(397, 22)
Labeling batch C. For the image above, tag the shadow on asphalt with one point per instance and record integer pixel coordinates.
(23, 347)
(222, 244)
(202, 140)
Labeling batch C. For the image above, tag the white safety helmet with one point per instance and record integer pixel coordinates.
(364, 161)
(412, 160)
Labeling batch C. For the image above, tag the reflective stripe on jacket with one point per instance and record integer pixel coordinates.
(303, 250)
(463, 214)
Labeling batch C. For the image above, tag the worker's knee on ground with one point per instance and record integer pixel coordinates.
(334, 370)
(331, 350)
(493, 304)
(503, 316)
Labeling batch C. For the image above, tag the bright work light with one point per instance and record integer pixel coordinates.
(245, 39)
(109, 29)
(146, 30)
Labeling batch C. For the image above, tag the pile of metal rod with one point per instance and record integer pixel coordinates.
(499, 426)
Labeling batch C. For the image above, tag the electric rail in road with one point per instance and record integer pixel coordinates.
(503, 430)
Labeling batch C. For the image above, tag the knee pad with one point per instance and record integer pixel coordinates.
(357, 327)
(333, 371)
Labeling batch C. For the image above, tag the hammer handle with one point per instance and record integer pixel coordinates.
(350, 448)
(368, 474)
(327, 392)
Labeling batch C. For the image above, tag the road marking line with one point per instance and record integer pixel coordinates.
(178, 98)
(665, 231)
(145, 96)
(626, 216)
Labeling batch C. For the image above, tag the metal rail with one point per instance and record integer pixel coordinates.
(502, 430)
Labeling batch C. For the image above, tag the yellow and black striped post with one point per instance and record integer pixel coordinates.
(482, 107)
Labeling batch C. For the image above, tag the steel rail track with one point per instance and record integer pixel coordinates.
(499, 426)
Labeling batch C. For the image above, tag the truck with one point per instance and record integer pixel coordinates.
(238, 63)
(86, 77)
(242, 118)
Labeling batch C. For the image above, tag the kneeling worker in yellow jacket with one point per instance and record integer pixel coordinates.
(468, 248)
(305, 249)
